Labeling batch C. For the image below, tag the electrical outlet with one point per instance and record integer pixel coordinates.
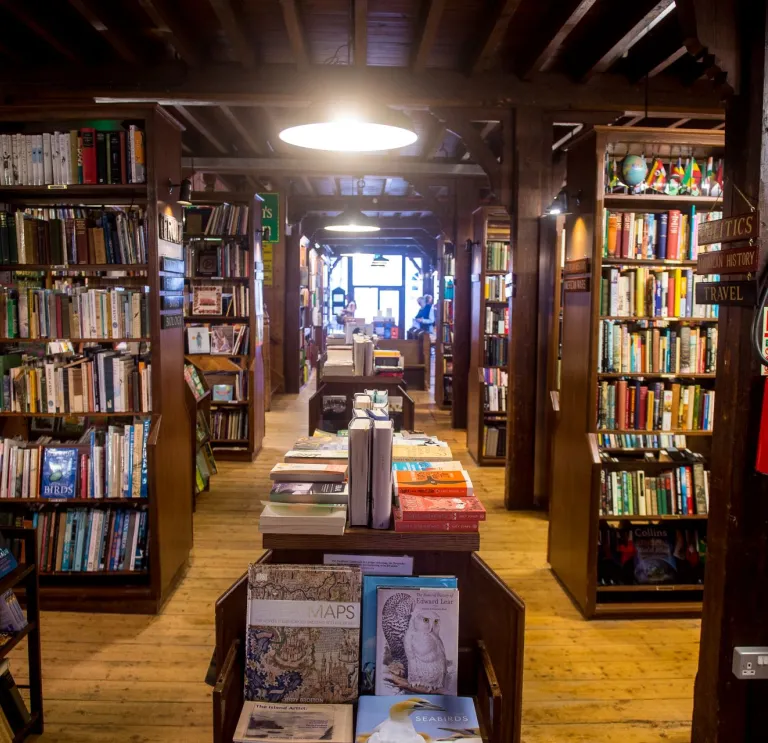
(750, 663)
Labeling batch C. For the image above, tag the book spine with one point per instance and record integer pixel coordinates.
(436, 526)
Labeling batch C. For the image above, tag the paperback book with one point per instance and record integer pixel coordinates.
(295, 723)
(315, 472)
(439, 508)
(309, 492)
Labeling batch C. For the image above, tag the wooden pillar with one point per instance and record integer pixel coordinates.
(292, 300)
(728, 710)
(528, 169)
(274, 298)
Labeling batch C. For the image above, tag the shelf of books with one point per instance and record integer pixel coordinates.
(224, 318)
(413, 516)
(446, 274)
(628, 512)
(199, 407)
(314, 312)
(93, 421)
(486, 401)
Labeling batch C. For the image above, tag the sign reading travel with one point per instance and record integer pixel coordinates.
(580, 284)
(730, 260)
(577, 265)
(732, 293)
(730, 229)
(270, 217)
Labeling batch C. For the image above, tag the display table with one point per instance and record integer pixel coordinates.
(491, 621)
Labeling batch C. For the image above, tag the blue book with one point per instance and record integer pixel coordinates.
(129, 464)
(82, 526)
(437, 717)
(141, 543)
(663, 220)
(371, 584)
(67, 551)
(7, 560)
(59, 475)
(123, 546)
(689, 292)
(144, 478)
(657, 298)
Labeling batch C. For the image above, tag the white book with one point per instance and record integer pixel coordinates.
(93, 539)
(47, 162)
(303, 518)
(417, 641)
(23, 313)
(40, 166)
(25, 474)
(297, 723)
(7, 446)
(56, 159)
(360, 439)
(66, 167)
(16, 148)
(381, 475)
(27, 160)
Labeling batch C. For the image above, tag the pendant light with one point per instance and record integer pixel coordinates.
(352, 220)
(358, 128)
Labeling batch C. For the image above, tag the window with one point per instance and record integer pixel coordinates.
(364, 274)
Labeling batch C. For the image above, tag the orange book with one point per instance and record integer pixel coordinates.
(613, 229)
(621, 404)
(433, 482)
(649, 411)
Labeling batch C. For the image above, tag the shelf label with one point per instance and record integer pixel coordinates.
(580, 284)
(171, 321)
(171, 303)
(172, 265)
(576, 265)
(728, 261)
(730, 229)
(267, 255)
(731, 293)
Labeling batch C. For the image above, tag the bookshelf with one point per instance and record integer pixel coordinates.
(629, 337)
(446, 274)
(154, 347)
(305, 313)
(489, 326)
(317, 303)
(199, 406)
(228, 257)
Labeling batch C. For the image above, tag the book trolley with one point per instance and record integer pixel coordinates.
(491, 622)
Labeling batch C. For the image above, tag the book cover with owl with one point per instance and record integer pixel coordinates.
(417, 641)
(302, 633)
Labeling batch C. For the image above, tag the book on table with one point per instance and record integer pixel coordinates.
(294, 723)
(303, 518)
(309, 492)
(433, 482)
(308, 472)
(360, 471)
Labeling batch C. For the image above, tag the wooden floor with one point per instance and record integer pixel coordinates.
(140, 679)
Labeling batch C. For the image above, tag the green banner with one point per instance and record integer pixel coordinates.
(270, 217)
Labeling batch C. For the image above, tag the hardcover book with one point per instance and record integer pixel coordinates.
(371, 585)
(424, 717)
(309, 492)
(315, 472)
(302, 633)
(297, 723)
(438, 508)
(426, 466)
(417, 641)
(433, 482)
(59, 477)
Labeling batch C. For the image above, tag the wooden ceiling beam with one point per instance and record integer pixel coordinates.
(124, 49)
(494, 36)
(245, 133)
(234, 30)
(367, 203)
(433, 140)
(488, 127)
(295, 33)
(360, 49)
(307, 184)
(634, 120)
(667, 61)
(163, 17)
(679, 123)
(195, 121)
(426, 33)
(39, 30)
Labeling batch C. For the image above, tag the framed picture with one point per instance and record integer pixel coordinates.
(207, 262)
(198, 340)
(223, 393)
(206, 300)
(223, 339)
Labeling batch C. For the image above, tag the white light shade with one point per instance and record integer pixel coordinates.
(352, 221)
(364, 129)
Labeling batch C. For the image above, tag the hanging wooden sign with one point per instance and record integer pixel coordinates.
(728, 261)
(172, 265)
(172, 302)
(576, 265)
(731, 293)
(580, 284)
(730, 229)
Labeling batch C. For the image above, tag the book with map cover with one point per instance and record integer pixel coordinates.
(302, 633)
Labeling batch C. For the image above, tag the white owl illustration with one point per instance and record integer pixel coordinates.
(427, 664)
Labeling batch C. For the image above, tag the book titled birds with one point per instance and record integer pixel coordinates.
(417, 641)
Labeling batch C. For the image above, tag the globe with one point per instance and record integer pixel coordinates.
(633, 170)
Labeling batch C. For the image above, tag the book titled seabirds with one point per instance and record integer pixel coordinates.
(381, 475)
(415, 718)
(371, 585)
(296, 723)
(360, 434)
(417, 641)
(59, 473)
(302, 633)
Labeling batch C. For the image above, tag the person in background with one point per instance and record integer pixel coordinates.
(420, 315)
(348, 312)
(428, 322)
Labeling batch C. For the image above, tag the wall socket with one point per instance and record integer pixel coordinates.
(750, 663)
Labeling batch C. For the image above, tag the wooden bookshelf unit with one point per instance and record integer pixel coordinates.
(446, 275)
(488, 349)
(168, 504)
(632, 336)
(250, 275)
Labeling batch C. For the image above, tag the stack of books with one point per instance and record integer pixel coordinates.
(338, 362)
(388, 363)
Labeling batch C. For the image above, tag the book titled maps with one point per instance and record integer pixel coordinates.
(418, 717)
(302, 633)
(417, 641)
(296, 723)
(304, 472)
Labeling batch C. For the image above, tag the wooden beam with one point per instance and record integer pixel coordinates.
(634, 120)
(40, 31)
(295, 33)
(421, 186)
(360, 53)
(427, 33)
(385, 203)
(720, 126)
(202, 128)
(234, 30)
(163, 18)
(484, 132)
(669, 60)
(433, 140)
(677, 124)
(492, 39)
(242, 130)
(307, 184)
(124, 49)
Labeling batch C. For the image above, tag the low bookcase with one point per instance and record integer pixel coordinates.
(491, 622)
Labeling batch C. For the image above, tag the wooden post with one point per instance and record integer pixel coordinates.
(528, 169)
(274, 298)
(728, 710)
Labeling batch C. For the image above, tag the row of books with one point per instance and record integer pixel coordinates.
(497, 320)
(654, 235)
(682, 491)
(496, 255)
(447, 334)
(73, 312)
(495, 398)
(447, 311)
(649, 292)
(449, 264)
(495, 351)
(229, 424)
(84, 540)
(205, 467)
(496, 289)
(654, 407)
(73, 235)
(77, 156)
(228, 259)
(495, 441)
(682, 350)
(630, 441)
(221, 220)
(99, 381)
(219, 300)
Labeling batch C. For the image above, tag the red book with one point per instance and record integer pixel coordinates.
(89, 155)
(83, 476)
(621, 404)
(626, 223)
(689, 491)
(643, 408)
(440, 508)
(436, 526)
(632, 396)
(673, 235)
